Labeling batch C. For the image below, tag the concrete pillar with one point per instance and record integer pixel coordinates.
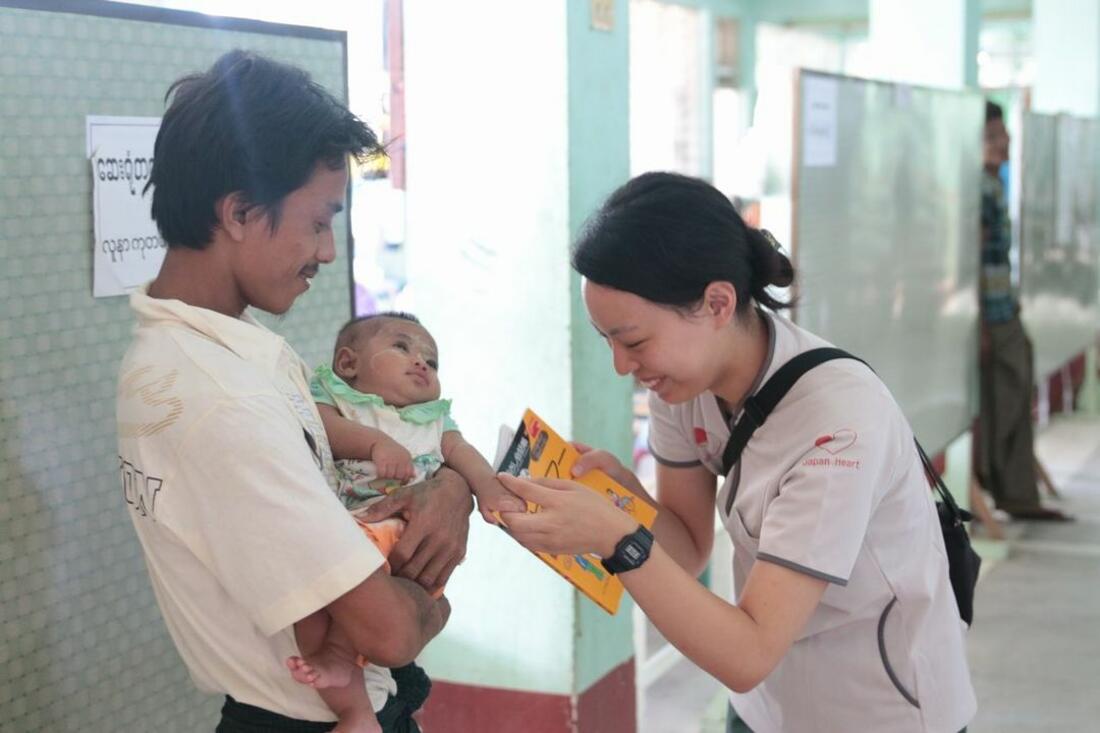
(1067, 56)
(517, 128)
(599, 162)
(931, 43)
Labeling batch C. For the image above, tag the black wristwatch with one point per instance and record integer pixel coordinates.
(630, 553)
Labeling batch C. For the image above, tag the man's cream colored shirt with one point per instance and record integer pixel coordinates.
(223, 460)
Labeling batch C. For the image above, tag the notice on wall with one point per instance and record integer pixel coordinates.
(819, 95)
(128, 250)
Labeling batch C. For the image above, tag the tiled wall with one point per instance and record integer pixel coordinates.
(82, 643)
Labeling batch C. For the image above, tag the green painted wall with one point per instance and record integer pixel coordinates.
(487, 229)
(839, 11)
(599, 161)
(810, 11)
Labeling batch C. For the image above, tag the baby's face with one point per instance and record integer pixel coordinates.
(399, 363)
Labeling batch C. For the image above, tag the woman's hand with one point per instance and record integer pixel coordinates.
(570, 518)
(592, 459)
(493, 499)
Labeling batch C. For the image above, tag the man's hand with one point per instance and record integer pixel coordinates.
(392, 460)
(437, 512)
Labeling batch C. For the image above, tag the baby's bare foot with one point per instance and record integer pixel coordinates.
(301, 670)
(323, 670)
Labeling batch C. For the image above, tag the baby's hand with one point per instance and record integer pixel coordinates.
(493, 498)
(391, 460)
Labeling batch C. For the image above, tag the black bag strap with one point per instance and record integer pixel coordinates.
(958, 514)
(759, 405)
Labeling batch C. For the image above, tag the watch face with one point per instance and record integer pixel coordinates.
(631, 551)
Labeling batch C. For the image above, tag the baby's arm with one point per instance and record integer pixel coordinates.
(490, 492)
(351, 441)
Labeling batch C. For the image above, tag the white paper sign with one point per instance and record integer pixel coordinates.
(128, 249)
(819, 121)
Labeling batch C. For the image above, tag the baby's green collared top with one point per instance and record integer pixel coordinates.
(327, 387)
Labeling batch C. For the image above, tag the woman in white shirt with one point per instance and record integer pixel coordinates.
(843, 617)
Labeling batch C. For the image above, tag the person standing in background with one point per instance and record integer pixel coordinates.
(1006, 465)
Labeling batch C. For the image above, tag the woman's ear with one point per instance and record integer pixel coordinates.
(232, 211)
(719, 302)
(346, 364)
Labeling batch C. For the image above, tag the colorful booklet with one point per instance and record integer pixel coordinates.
(536, 451)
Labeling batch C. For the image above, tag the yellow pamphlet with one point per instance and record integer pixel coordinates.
(537, 451)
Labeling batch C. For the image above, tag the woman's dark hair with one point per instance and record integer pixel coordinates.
(665, 237)
(249, 124)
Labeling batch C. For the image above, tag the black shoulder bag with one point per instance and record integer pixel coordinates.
(963, 563)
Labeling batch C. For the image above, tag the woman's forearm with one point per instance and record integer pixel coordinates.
(673, 535)
(717, 636)
(740, 645)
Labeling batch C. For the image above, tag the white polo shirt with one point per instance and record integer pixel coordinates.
(222, 456)
(831, 486)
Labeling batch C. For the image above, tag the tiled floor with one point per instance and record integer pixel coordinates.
(1035, 644)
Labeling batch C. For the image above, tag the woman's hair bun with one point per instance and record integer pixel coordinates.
(770, 267)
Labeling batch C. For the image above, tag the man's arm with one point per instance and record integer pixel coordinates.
(389, 620)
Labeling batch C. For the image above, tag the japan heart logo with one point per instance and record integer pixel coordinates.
(839, 441)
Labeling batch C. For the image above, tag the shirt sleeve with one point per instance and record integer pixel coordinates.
(319, 392)
(667, 442)
(449, 423)
(818, 521)
(251, 502)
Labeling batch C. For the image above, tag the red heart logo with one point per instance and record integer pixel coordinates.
(837, 442)
(700, 436)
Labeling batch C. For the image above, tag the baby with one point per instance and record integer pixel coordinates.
(380, 406)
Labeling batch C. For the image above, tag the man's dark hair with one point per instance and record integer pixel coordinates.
(366, 326)
(252, 125)
(993, 111)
